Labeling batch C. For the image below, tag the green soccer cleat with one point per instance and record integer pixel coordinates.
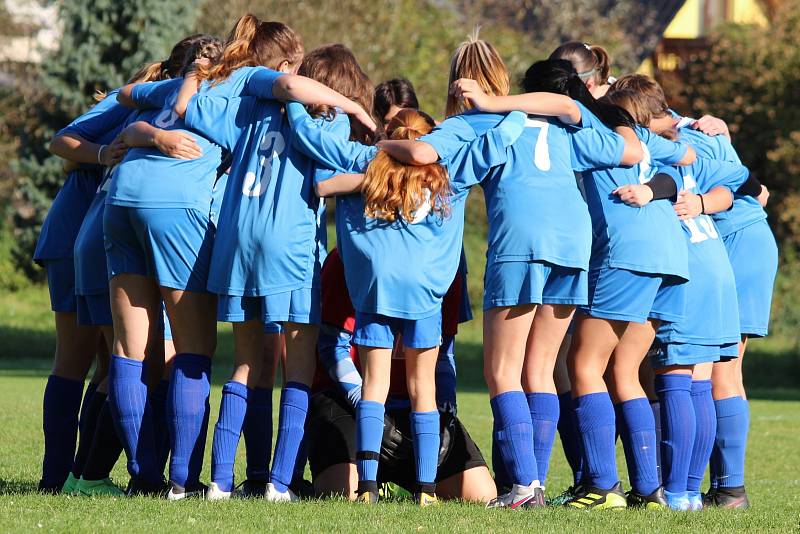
(391, 491)
(566, 495)
(69, 485)
(599, 499)
(654, 501)
(90, 488)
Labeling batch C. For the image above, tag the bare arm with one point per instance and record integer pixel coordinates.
(75, 148)
(690, 205)
(340, 184)
(410, 152)
(172, 143)
(687, 158)
(547, 104)
(188, 89)
(125, 96)
(633, 152)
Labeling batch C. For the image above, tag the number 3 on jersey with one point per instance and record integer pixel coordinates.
(271, 147)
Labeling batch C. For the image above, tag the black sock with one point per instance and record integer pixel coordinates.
(106, 448)
(89, 416)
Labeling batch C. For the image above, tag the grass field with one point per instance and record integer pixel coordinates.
(26, 344)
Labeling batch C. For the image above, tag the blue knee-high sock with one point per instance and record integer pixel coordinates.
(425, 431)
(594, 414)
(257, 431)
(60, 407)
(446, 374)
(299, 469)
(87, 401)
(232, 409)
(570, 437)
(638, 433)
(133, 417)
(501, 478)
(188, 408)
(291, 424)
(678, 429)
(513, 433)
(544, 410)
(158, 400)
(655, 407)
(369, 433)
(705, 431)
(730, 445)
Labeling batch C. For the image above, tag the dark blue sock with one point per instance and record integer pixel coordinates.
(299, 470)
(133, 417)
(544, 410)
(730, 445)
(655, 407)
(513, 433)
(570, 437)
(87, 401)
(369, 434)
(705, 431)
(291, 424)
(446, 374)
(678, 429)
(158, 400)
(188, 409)
(501, 477)
(638, 434)
(425, 433)
(61, 404)
(594, 414)
(257, 431)
(232, 409)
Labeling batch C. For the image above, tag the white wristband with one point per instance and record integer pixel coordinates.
(100, 151)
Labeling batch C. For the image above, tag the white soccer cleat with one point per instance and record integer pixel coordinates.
(273, 495)
(520, 497)
(216, 494)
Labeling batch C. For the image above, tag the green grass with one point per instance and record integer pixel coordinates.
(26, 340)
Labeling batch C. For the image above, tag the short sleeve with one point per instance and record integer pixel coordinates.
(673, 173)
(258, 82)
(662, 151)
(593, 149)
(104, 116)
(449, 137)
(711, 173)
(220, 119)
(155, 94)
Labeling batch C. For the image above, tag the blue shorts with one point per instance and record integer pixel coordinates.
(668, 354)
(61, 283)
(623, 295)
(298, 306)
(375, 330)
(512, 283)
(754, 259)
(94, 310)
(172, 245)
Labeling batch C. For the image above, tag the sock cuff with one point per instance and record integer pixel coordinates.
(544, 406)
(673, 382)
(260, 396)
(594, 410)
(117, 361)
(295, 396)
(730, 407)
(699, 387)
(298, 385)
(235, 388)
(510, 408)
(425, 422)
(187, 360)
(637, 414)
(372, 409)
(65, 382)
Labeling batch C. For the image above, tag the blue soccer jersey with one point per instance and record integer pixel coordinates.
(147, 178)
(746, 210)
(647, 239)
(711, 316)
(404, 268)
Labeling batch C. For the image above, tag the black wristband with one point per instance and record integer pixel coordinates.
(663, 186)
(752, 187)
(702, 205)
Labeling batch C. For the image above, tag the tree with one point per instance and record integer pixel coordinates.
(102, 44)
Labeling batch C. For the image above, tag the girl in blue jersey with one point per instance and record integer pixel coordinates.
(269, 274)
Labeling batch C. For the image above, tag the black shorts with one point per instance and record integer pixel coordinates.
(331, 438)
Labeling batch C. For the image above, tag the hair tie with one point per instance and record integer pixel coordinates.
(585, 74)
(589, 48)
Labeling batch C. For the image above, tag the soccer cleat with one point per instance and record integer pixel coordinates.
(424, 500)
(177, 492)
(367, 497)
(391, 491)
(563, 497)
(727, 498)
(146, 489)
(654, 501)
(273, 495)
(90, 488)
(302, 488)
(678, 501)
(214, 493)
(251, 489)
(695, 500)
(598, 499)
(520, 497)
(69, 485)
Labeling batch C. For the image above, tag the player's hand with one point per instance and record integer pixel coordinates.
(710, 125)
(688, 205)
(112, 153)
(177, 144)
(470, 90)
(763, 198)
(636, 195)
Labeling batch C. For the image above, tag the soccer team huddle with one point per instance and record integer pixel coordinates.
(629, 260)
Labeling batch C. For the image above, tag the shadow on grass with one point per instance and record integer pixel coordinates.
(770, 373)
(16, 487)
